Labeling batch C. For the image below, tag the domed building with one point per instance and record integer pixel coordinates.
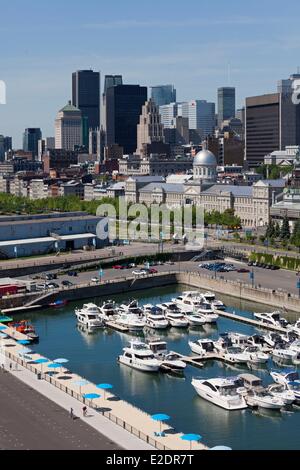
(205, 167)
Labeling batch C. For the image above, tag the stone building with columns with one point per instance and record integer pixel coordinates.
(251, 203)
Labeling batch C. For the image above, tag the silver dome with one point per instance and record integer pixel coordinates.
(205, 158)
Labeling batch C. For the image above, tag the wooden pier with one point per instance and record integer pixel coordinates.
(250, 321)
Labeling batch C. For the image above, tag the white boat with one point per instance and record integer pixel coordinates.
(235, 355)
(238, 339)
(131, 321)
(195, 319)
(155, 319)
(88, 316)
(206, 310)
(280, 391)
(202, 347)
(289, 378)
(174, 315)
(221, 392)
(169, 361)
(255, 355)
(271, 339)
(139, 356)
(131, 307)
(258, 341)
(108, 310)
(281, 351)
(263, 399)
(296, 328)
(272, 319)
(218, 305)
(209, 296)
(188, 301)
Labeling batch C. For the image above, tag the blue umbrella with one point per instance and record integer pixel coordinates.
(105, 387)
(220, 448)
(23, 342)
(54, 366)
(61, 361)
(91, 396)
(2, 328)
(41, 362)
(161, 418)
(81, 383)
(25, 351)
(191, 438)
(3, 336)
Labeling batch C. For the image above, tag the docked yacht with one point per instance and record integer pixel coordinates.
(271, 339)
(169, 361)
(280, 391)
(174, 315)
(289, 378)
(283, 352)
(258, 341)
(221, 392)
(139, 356)
(89, 316)
(207, 311)
(155, 319)
(238, 339)
(256, 395)
(108, 310)
(209, 296)
(131, 307)
(255, 355)
(195, 319)
(202, 347)
(131, 321)
(296, 328)
(272, 319)
(235, 355)
(188, 301)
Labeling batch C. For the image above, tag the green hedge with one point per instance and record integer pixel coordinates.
(284, 262)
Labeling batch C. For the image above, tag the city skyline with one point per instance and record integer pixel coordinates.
(214, 50)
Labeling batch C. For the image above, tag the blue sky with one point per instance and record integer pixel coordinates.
(189, 43)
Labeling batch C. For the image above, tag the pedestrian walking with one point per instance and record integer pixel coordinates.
(84, 411)
(10, 366)
(72, 413)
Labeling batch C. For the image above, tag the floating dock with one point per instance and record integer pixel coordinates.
(250, 321)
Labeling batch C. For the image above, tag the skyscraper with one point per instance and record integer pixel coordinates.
(169, 112)
(226, 104)
(150, 128)
(201, 116)
(68, 128)
(31, 139)
(86, 97)
(163, 94)
(123, 109)
(112, 80)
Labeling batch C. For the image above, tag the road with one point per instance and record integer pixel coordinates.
(279, 280)
(29, 421)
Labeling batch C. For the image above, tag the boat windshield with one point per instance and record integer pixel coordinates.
(157, 347)
(205, 307)
(234, 350)
(228, 390)
(139, 347)
(92, 317)
(146, 357)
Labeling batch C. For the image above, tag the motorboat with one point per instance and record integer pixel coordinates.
(206, 310)
(108, 310)
(202, 347)
(138, 355)
(221, 392)
(255, 355)
(296, 328)
(155, 319)
(188, 302)
(131, 307)
(172, 363)
(218, 305)
(280, 391)
(88, 316)
(272, 319)
(258, 341)
(174, 315)
(195, 319)
(271, 339)
(26, 328)
(282, 351)
(223, 343)
(264, 399)
(235, 355)
(238, 339)
(285, 376)
(131, 322)
(209, 296)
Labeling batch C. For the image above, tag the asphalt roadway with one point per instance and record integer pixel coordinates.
(281, 280)
(29, 421)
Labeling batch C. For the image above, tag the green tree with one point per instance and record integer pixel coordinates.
(285, 233)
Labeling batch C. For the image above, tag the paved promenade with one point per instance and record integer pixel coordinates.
(30, 421)
(135, 429)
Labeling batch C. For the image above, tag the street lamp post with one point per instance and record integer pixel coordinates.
(298, 286)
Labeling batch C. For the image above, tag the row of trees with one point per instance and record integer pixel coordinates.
(273, 172)
(283, 232)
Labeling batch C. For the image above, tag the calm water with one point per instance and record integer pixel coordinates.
(95, 358)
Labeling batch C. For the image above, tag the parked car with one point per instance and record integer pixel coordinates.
(72, 274)
(67, 283)
(140, 272)
(243, 270)
(152, 271)
(95, 280)
(117, 266)
(52, 285)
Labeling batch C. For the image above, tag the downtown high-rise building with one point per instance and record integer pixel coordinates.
(169, 112)
(31, 139)
(123, 109)
(201, 116)
(86, 97)
(68, 128)
(226, 104)
(150, 128)
(163, 94)
(272, 122)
